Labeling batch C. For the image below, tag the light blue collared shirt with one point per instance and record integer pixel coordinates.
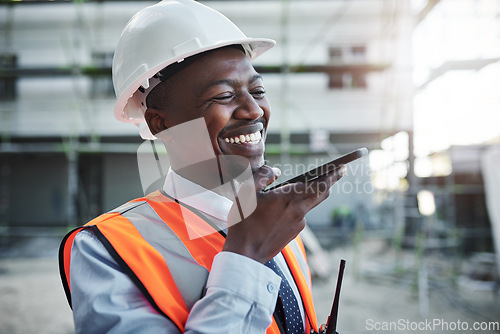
(241, 293)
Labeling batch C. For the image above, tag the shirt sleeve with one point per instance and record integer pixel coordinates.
(241, 295)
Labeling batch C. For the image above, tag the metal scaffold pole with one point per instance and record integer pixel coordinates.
(285, 72)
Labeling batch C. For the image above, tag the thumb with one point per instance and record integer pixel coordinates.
(264, 176)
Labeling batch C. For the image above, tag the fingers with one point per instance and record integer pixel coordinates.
(330, 178)
(323, 184)
(310, 194)
(264, 176)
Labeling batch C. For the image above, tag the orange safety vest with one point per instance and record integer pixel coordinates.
(120, 232)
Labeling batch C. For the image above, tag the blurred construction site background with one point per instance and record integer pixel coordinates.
(417, 82)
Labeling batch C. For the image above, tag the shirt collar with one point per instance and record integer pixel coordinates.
(196, 196)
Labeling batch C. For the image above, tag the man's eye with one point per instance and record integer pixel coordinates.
(258, 94)
(223, 97)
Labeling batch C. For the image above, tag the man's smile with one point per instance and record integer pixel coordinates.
(246, 140)
(249, 134)
(253, 138)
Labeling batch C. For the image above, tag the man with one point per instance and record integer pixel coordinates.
(200, 262)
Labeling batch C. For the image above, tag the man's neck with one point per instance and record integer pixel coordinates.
(213, 173)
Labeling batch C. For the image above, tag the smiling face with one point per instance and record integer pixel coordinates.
(223, 87)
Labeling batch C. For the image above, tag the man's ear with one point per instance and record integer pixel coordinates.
(155, 121)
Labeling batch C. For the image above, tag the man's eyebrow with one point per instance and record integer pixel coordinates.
(230, 82)
(255, 78)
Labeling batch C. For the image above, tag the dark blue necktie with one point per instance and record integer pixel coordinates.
(293, 319)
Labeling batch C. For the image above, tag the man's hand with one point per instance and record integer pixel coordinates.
(279, 215)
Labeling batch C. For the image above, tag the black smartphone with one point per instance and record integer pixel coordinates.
(325, 168)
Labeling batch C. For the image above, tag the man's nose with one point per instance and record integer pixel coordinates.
(248, 108)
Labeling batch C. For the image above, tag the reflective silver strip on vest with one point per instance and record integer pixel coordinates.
(189, 276)
(301, 260)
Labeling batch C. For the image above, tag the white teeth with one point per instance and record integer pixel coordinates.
(251, 138)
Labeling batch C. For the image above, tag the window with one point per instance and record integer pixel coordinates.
(347, 71)
(102, 85)
(8, 79)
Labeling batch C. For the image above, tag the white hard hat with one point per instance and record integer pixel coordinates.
(161, 35)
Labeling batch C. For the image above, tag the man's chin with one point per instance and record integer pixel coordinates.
(253, 153)
(239, 163)
(256, 165)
